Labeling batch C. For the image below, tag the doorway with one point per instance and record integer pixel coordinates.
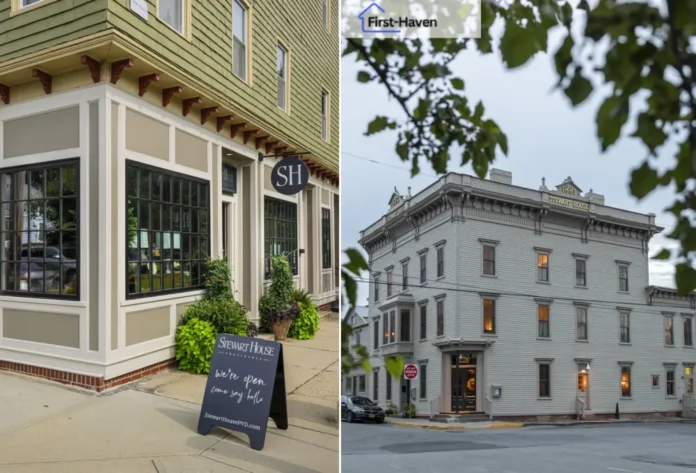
(463, 376)
(229, 241)
(583, 388)
(689, 379)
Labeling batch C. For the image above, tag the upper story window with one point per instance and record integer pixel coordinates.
(423, 267)
(669, 330)
(404, 275)
(27, 3)
(623, 275)
(423, 322)
(581, 332)
(167, 234)
(489, 316)
(688, 331)
(440, 260)
(440, 315)
(625, 326)
(40, 231)
(580, 270)
(357, 337)
(173, 13)
(377, 289)
(542, 264)
(239, 31)
(325, 12)
(489, 260)
(324, 115)
(389, 283)
(375, 334)
(282, 78)
(544, 322)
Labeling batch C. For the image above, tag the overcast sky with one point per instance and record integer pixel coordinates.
(547, 138)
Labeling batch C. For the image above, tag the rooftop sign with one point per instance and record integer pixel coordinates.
(573, 204)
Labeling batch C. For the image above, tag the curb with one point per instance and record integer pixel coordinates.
(503, 425)
(608, 422)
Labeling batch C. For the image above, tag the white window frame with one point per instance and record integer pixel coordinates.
(545, 252)
(325, 107)
(627, 312)
(182, 28)
(670, 368)
(546, 362)
(440, 251)
(243, 39)
(492, 244)
(667, 316)
(619, 266)
(578, 308)
(23, 3)
(583, 258)
(687, 319)
(544, 303)
(282, 89)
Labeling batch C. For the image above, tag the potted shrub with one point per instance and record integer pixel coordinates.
(277, 307)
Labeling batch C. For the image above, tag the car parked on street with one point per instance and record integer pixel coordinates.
(359, 408)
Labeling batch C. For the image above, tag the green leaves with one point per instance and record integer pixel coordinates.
(364, 76)
(663, 255)
(421, 111)
(395, 366)
(579, 89)
(194, 344)
(457, 83)
(611, 117)
(379, 123)
(649, 132)
(518, 44)
(643, 180)
(685, 277)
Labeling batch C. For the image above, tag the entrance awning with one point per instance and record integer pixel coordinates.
(450, 344)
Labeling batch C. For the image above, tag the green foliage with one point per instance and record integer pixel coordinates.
(195, 342)
(300, 296)
(391, 409)
(218, 279)
(410, 410)
(225, 316)
(277, 304)
(632, 49)
(306, 325)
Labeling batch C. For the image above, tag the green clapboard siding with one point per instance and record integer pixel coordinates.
(58, 22)
(297, 24)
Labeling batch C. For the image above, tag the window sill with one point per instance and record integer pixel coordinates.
(543, 282)
(623, 292)
(43, 301)
(423, 284)
(544, 399)
(669, 346)
(493, 276)
(440, 336)
(492, 335)
(546, 339)
(440, 278)
(423, 340)
(581, 287)
(690, 347)
(670, 397)
(164, 297)
(19, 11)
(626, 398)
(582, 341)
(626, 344)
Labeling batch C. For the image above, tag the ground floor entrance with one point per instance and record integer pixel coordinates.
(463, 375)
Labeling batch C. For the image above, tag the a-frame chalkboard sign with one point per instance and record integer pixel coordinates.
(245, 387)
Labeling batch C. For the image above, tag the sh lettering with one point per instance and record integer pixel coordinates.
(287, 173)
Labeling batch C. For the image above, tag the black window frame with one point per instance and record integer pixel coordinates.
(441, 262)
(688, 329)
(423, 382)
(544, 380)
(580, 272)
(440, 317)
(44, 166)
(325, 238)
(375, 337)
(375, 386)
(423, 322)
(292, 255)
(202, 256)
(489, 260)
(388, 385)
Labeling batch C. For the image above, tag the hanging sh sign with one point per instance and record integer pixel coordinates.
(290, 176)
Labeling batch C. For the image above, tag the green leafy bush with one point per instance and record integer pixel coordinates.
(277, 304)
(218, 277)
(302, 297)
(306, 325)
(226, 316)
(195, 342)
(391, 409)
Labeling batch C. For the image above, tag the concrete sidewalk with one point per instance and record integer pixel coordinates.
(150, 427)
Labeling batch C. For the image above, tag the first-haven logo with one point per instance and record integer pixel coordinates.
(372, 22)
(253, 347)
(402, 19)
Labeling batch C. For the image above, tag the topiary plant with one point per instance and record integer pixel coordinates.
(277, 304)
(306, 325)
(218, 277)
(195, 342)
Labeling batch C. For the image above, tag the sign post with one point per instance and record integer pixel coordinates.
(410, 373)
(246, 386)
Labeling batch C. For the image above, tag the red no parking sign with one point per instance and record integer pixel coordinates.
(410, 372)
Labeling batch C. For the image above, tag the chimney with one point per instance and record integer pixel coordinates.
(498, 175)
(595, 198)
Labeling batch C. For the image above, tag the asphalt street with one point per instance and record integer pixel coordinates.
(628, 448)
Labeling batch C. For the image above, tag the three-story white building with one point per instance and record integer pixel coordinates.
(517, 302)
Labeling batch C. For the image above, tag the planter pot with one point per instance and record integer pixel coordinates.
(280, 329)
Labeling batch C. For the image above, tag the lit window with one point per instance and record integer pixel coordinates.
(172, 13)
(282, 77)
(488, 316)
(543, 267)
(544, 325)
(625, 381)
(239, 30)
(392, 326)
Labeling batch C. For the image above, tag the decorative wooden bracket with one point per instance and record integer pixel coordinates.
(206, 112)
(259, 141)
(248, 134)
(94, 67)
(270, 145)
(5, 94)
(222, 120)
(168, 93)
(189, 103)
(145, 81)
(118, 67)
(234, 129)
(46, 79)
(280, 149)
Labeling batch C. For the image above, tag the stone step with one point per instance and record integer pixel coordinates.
(460, 418)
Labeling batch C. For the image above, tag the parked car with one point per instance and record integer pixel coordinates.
(53, 261)
(31, 277)
(360, 408)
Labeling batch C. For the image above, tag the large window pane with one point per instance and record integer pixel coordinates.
(325, 238)
(280, 228)
(168, 242)
(39, 230)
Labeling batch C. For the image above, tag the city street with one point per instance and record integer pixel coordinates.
(628, 448)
